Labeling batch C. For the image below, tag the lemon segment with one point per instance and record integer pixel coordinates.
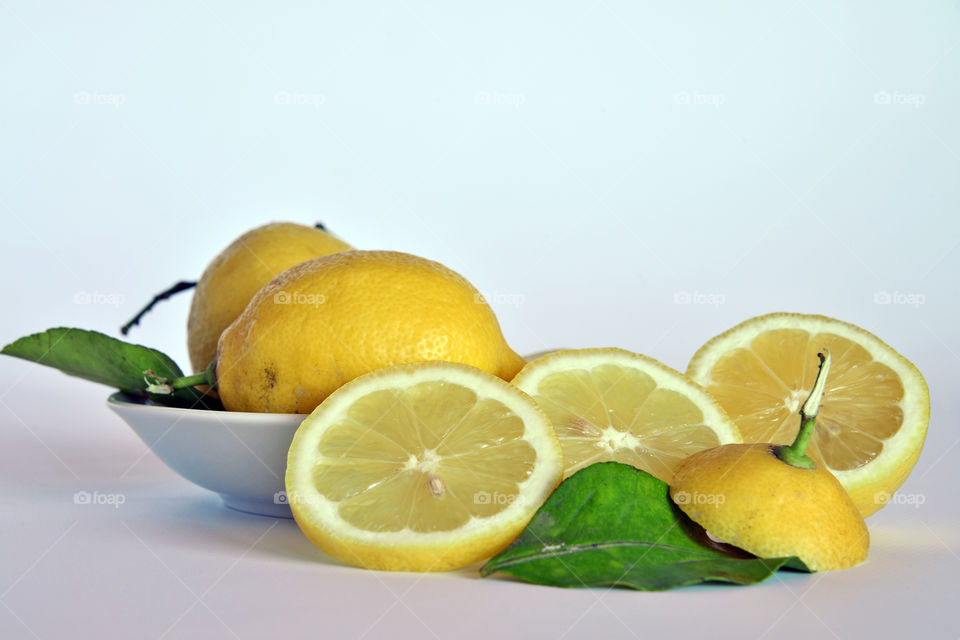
(422, 467)
(875, 410)
(614, 405)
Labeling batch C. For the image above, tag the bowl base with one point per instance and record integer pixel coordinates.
(256, 507)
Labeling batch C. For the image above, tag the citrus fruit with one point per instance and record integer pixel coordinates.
(774, 501)
(875, 410)
(421, 467)
(238, 272)
(743, 495)
(614, 405)
(328, 320)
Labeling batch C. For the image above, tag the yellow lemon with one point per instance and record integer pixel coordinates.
(744, 495)
(239, 271)
(614, 405)
(421, 467)
(329, 320)
(875, 412)
(774, 500)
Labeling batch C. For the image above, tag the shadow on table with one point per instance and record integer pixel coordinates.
(204, 522)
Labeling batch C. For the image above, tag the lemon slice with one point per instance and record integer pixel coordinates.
(422, 467)
(875, 410)
(611, 404)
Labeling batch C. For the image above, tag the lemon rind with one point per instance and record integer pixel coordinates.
(916, 414)
(529, 378)
(315, 510)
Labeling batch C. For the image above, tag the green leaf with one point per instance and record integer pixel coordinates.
(99, 358)
(611, 524)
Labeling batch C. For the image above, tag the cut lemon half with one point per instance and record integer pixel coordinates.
(875, 410)
(429, 466)
(614, 405)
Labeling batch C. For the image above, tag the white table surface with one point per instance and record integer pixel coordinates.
(172, 562)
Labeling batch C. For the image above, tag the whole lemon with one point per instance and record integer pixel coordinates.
(329, 320)
(239, 271)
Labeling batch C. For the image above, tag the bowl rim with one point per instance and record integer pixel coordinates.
(135, 403)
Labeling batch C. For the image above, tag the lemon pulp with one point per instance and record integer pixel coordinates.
(612, 405)
(876, 406)
(427, 466)
(429, 448)
(762, 387)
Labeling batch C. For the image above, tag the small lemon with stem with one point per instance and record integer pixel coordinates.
(774, 500)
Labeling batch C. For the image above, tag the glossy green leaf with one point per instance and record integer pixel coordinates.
(97, 357)
(611, 524)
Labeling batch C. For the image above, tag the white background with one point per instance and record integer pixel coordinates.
(589, 167)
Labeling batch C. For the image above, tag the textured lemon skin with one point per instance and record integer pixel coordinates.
(239, 271)
(388, 553)
(870, 487)
(746, 496)
(326, 321)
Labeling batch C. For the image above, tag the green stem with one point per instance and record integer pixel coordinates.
(189, 381)
(208, 377)
(796, 453)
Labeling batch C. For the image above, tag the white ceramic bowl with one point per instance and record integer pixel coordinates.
(241, 456)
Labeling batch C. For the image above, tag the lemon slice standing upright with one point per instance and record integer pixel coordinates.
(422, 467)
(875, 410)
(614, 405)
